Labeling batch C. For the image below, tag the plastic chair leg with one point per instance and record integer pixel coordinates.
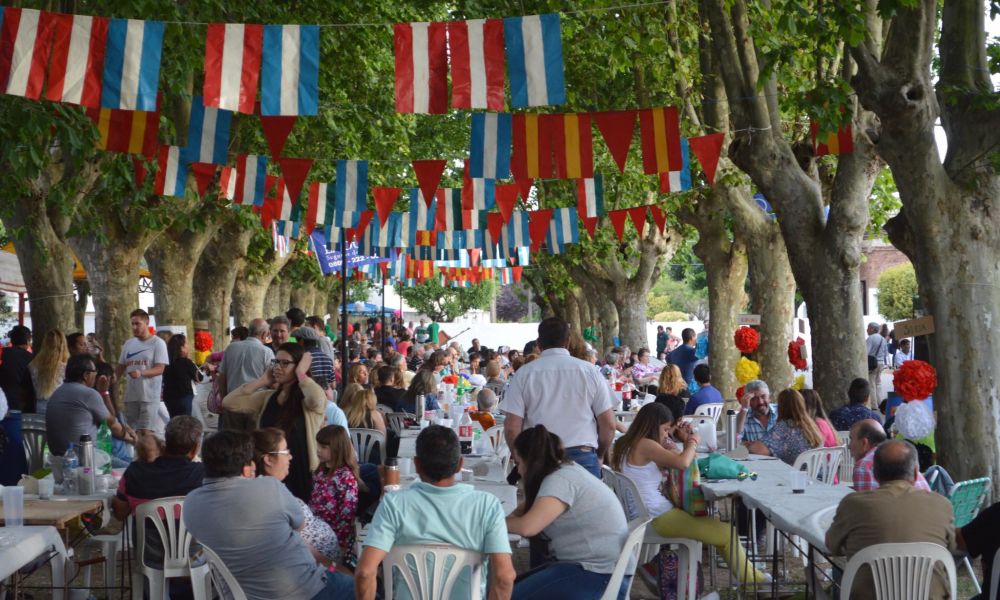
(972, 574)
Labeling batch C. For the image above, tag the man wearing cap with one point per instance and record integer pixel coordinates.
(321, 369)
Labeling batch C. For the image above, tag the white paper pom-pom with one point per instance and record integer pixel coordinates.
(914, 420)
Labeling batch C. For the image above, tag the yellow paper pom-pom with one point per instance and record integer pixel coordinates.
(800, 382)
(746, 370)
(201, 357)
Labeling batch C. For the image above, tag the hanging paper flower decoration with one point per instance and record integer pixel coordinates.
(747, 339)
(800, 382)
(203, 341)
(914, 420)
(795, 353)
(452, 379)
(915, 380)
(201, 357)
(151, 330)
(739, 392)
(746, 370)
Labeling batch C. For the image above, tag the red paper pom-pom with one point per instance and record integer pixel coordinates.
(151, 330)
(740, 391)
(795, 354)
(915, 380)
(747, 339)
(203, 341)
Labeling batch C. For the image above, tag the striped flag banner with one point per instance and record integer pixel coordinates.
(227, 183)
(532, 146)
(841, 142)
(351, 188)
(132, 64)
(208, 134)
(590, 196)
(476, 50)
(171, 173)
(347, 220)
(287, 205)
(563, 229)
(132, 132)
(477, 193)
(421, 68)
(251, 175)
(422, 215)
(680, 180)
(516, 233)
(320, 207)
(535, 60)
(289, 75)
(573, 143)
(489, 152)
(660, 133)
(448, 216)
(378, 240)
(77, 60)
(25, 44)
(232, 66)
(453, 258)
(475, 219)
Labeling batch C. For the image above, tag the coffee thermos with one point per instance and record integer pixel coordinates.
(87, 481)
(730, 430)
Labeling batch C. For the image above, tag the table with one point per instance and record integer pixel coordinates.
(57, 512)
(770, 472)
(21, 545)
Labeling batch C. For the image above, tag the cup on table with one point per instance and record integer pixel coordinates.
(46, 487)
(405, 466)
(424, 423)
(13, 506)
(798, 480)
(56, 463)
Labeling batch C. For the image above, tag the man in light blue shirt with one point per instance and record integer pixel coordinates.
(438, 510)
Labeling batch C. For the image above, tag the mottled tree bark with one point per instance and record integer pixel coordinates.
(215, 276)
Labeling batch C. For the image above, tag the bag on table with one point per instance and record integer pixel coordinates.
(683, 488)
(720, 466)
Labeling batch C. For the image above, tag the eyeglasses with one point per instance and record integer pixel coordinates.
(282, 363)
(282, 452)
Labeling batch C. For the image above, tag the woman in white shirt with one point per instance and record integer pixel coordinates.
(642, 454)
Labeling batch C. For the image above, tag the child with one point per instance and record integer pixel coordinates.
(335, 487)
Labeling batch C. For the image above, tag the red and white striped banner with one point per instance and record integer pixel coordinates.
(477, 62)
(232, 66)
(421, 68)
(25, 42)
(77, 60)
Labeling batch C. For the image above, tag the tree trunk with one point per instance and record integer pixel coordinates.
(772, 296)
(252, 285)
(284, 295)
(272, 299)
(601, 307)
(300, 296)
(572, 314)
(631, 300)
(215, 276)
(586, 317)
(172, 258)
(47, 267)
(80, 305)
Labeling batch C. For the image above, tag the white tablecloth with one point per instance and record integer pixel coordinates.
(807, 515)
(21, 545)
(770, 471)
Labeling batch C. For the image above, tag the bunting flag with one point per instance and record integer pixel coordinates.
(489, 154)
(208, 134)
(660, 134)
(659, 216)
(538, 226)
(517, 232)
(352, 190)
(378, 239)
(77, 60)
(364, 219)
(478, 194)
(841, 142)
(132, 64)
(294, 172)
(227, 183)
(535, 60)
(289, 74)
(617, 128)
(276, 132)
(532, 145)
(591, 224)
(680, 180)
(494, 226)
(638, 216)
(421, 68)
(251, 171)
(428, 174)
(448, 216)
(707, 149)
(282, 232)
(286, 204)
(171, 173)
(563, 229)
(131, 132)
(524, 187)
(590, 196)
(232, 66)
(385, 198)
(474, 219)
(506, 195)
(476, 50)
(25, 44)
(271, 209)
(203, 175)
(617, 221)
(573, 143)
(320, 207)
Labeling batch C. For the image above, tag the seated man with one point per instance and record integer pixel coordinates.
(385, 392)
(979, 539)
(486, 401)
(438, 510)
(857, 408)
(707, 393)
(75, 408)
(756, 417)
(866, 435)
(252, 524)
(895, 513)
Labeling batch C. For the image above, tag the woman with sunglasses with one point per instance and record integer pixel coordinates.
(287, 398)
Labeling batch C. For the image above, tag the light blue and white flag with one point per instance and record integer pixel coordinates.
(132, 64)
(516, 233)
(534, 60)
(352, 190)
(563, 229)
(208, 134)
(489, 152)
(289, 74)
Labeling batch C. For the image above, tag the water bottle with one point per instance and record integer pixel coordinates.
(104, 445)
(730, 430)
(87, 482)
(70, 464)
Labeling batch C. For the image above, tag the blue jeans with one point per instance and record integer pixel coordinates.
(587, 460)
(565, 581)
(338, 587)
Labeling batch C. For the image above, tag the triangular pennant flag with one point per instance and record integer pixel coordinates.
(494, 224)
(524, 187)
(276, 130)
(707, 150)
(203, 174)
(365, 220)
(428, 174)
(591, 224)
(618, 221)
(538, 226)
(385, 197)
(294, 172)
(617, 128)
(139, 163)
(659, 216)
(638, 215)
(474, 254)
(506, 197)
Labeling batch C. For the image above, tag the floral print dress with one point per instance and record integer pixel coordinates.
(335, 500)
(785, 441)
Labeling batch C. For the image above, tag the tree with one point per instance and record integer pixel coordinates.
(896, 288)
(511, 304)
(444, 304)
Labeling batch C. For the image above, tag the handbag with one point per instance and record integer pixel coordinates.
(720, 466)
(873, 358)
(683, 488)
(215, 398)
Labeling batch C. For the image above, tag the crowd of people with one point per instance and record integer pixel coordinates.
(278, 490)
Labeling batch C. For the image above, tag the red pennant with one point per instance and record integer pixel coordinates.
(474, 256)
(506, 196)
(707, 149)
(203, 174)
(428, 174)
(276, 130)
(385, 197)
(618, 221)
(524, 187)
(617, 128)
(538, 226)
(140, 170)
(659, 216)
(363, 220)
(294, 172)
(638, 215)
(516, 272)
(494, 224)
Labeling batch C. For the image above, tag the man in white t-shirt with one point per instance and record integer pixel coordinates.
(566, 394)
(142, 361)
(903, 354)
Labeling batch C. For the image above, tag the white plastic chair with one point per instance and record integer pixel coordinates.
(108, 546)
(217, 576)
(901, 571)
(710, 410)
(34, 435)
(165, 515)
(496, 437)
(397, 420)
(820, 463)
(409, 562)
(846, 466)
(364, 443)
(629, 554)
(843, 437)
(635, 508)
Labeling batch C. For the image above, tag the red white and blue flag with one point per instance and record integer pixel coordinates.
(351, 191)
(289, 76)
(208, 134)
(132, 64)
(476, 50)
(563, 229)
(489, 152)
(535, 60)
(321, 204)
(590, 196)
(421, 68)
(171, 173)
(251, 176)
(232, 66)
(227, 183)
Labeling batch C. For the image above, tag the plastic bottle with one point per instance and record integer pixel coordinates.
(465, 432)
(70, 465)
(104, 445)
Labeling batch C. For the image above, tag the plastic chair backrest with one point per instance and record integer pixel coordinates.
(628, 494)
(222, 578)
(967, 497)
(430, 571)
(822, 463)
(34, 438)
(495, 434)
(382, 408)
(166, 516)
(397, 420)
(709, 410)
(843, 437)
(846, 466)
(901, 571)
(365, 441)
(636, 533)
